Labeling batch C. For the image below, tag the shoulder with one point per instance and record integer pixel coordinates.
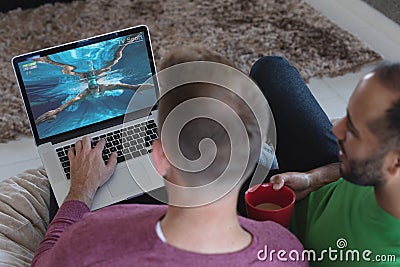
(114, 228)
(343, 184)
(111, 233)
(271, 234)
(272, 244)
(116, 216)
(341, 191)
(115, 221)
(130, 210)
(263, 226)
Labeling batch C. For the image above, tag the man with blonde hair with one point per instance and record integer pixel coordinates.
(195, 229)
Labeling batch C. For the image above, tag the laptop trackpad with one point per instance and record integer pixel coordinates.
(123, 183)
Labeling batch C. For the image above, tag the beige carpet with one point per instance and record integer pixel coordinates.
(242, 30)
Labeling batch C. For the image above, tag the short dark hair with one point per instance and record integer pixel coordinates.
(198, 129)
(388, 127)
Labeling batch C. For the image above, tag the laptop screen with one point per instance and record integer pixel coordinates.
(88, 82)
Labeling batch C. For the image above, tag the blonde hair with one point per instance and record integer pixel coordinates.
(198, 129)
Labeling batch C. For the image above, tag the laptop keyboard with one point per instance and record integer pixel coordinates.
(131, 142)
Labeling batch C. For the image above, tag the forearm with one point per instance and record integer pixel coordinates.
(69, 213)
(81, 194)
(324, 175)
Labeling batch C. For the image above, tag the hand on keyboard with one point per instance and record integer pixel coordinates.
(88, 170)
(131, 142)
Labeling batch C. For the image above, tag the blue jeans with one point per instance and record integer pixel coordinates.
(304, 133)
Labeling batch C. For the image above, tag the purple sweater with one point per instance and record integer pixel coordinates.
(125, 235)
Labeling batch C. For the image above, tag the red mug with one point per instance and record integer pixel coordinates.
(263, 194)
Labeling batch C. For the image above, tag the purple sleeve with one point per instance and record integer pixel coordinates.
(69, 213)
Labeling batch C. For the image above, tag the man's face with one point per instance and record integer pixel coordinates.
(361, 153)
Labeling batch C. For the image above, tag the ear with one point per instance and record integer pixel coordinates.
(160, 160)
(392, 167)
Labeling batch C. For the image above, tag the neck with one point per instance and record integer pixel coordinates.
(213, 228)
(388, 197)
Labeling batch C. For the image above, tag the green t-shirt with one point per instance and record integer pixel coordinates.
(345, 220)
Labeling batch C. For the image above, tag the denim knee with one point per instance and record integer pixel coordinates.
(268, 63)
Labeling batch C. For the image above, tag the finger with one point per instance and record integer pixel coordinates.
(100, 145)
(86, 143)
(78, 147)
(278, 181)
(71, 154)
(112, 161)
(254, 188)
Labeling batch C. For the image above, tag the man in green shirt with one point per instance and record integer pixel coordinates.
(353, 220)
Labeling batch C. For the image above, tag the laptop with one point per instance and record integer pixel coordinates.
(85, 88)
